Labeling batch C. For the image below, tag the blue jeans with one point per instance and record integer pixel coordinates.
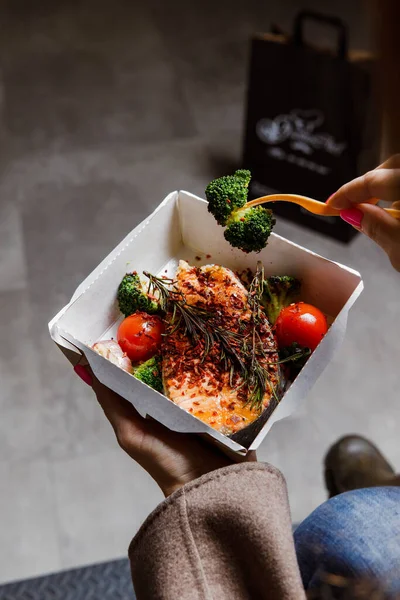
(355, 536)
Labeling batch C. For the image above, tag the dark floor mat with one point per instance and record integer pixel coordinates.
(104, 581)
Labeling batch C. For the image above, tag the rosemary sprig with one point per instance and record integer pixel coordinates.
(231, 353)
(198, 323)
(160, 285)
(297, 356)
(194, 319)
(258, 379)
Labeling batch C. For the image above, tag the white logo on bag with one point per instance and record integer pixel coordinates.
(299, 128)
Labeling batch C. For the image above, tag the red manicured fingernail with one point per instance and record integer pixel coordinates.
(353, 216)
(83, 374)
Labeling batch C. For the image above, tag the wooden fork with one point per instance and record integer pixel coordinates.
(313, 206)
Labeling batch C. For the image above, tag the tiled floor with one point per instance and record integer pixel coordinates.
(104, 108)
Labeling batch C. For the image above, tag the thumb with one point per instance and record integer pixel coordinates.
(378, 225)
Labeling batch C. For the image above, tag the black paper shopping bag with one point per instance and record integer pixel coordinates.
(309, 125)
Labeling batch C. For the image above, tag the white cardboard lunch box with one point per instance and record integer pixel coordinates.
(182, 228)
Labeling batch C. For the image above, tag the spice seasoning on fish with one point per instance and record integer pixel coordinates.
(218, 349)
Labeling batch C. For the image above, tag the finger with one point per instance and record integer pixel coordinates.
(128, 425)
(391, 163)
(115, 407)
(379, 183)
(379, 226)
(384, 230)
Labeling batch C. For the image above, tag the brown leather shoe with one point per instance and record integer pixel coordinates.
(353, 463)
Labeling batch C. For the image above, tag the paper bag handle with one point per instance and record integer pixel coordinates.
(335, 22)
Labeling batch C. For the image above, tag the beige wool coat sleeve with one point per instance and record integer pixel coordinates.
(224, 536)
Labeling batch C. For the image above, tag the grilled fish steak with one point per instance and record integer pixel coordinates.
(203, 385)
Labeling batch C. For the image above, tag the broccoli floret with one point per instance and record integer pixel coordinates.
(132, 296)
(278, 292)
(150, 373)
(249, 228)
(227, 193)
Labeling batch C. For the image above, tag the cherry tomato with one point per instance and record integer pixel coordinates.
(139, 336)
(301, 323)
